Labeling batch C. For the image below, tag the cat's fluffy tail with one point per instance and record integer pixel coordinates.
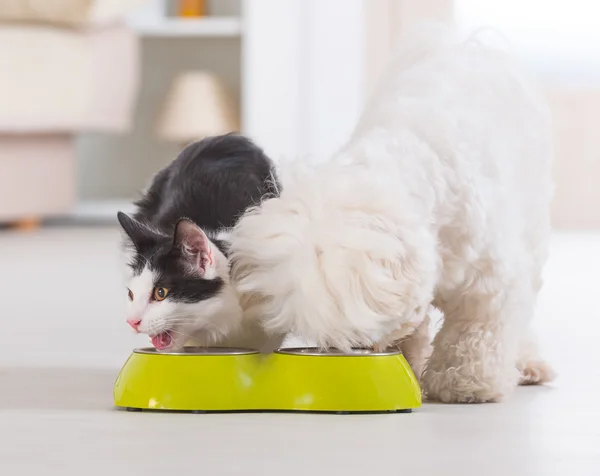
(325, 261)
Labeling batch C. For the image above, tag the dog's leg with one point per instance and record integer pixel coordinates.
(415, 347)
(532, 368)
(474, 353)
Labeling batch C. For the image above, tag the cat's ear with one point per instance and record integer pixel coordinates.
(197, 249)
(139, 233)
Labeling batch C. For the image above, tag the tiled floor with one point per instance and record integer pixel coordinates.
(63, 339)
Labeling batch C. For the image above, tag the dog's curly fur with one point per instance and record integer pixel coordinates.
(440, 196)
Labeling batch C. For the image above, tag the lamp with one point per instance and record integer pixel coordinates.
(197, 106)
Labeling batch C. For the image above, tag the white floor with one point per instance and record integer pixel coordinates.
(63, 339)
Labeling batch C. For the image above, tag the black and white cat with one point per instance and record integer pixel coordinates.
(180, 287)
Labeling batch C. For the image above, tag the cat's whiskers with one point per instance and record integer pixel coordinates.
(177, 316)
(183, 334)
(175, 322)
(179, 319)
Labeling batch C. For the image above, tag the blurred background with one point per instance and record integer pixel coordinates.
(98, 95)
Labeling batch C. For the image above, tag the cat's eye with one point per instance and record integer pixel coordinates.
(130, 294)
(160, 293)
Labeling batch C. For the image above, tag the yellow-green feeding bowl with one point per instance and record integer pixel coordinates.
(302, 379)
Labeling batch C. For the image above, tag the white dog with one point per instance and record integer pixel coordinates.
(440, 196)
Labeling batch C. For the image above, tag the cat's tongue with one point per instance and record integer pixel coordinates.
(161, 341)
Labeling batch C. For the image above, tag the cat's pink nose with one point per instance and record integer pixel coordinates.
(134, 322)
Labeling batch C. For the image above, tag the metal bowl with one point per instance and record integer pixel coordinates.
(317, 352)
(194, 351)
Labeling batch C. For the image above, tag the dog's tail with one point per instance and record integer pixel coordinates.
(324, 260)
(428, 39)
(424, 40)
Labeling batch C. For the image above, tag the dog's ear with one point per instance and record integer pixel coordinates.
(140, 235)
(196, 248)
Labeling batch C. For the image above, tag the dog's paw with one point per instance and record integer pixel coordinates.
(451, 387)
(452, 378)
(535, 372)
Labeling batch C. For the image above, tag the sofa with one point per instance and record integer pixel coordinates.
(66, 67)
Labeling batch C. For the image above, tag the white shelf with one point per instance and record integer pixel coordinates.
(100, 210)
(94, 212)
(189, 28)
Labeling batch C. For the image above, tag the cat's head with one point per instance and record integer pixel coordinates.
(179, 286)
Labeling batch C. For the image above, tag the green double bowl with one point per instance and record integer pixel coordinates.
(300, 379)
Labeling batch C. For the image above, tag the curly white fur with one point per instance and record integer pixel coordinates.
(441, 195)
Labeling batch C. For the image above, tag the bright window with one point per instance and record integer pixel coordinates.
(560, 39)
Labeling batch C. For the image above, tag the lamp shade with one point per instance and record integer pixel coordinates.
(197, 106)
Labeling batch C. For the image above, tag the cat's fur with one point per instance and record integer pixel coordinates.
(178, 240)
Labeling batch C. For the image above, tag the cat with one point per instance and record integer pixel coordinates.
(180, 287)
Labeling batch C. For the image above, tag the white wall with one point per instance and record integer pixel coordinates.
(303, 74)
(271, 88)
(334, 73)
